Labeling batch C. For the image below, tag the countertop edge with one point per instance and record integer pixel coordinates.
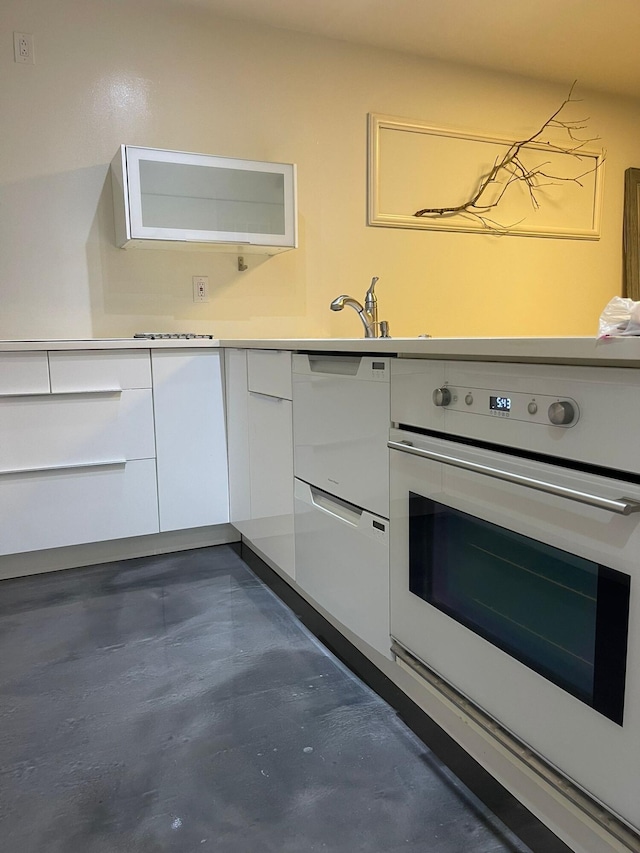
(609, 352)
(106, 344)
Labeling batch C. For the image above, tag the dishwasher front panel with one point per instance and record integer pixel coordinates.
(342, 559)
(341, 422)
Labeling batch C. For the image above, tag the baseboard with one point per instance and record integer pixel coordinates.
(57, 559)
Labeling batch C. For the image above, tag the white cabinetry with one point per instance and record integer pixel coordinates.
(24, 373)
(173, 198)
(237, 411)
(270, 453)
(77, 456)
(261, 452)
(190, 438)
(98, 370)
(94, 448)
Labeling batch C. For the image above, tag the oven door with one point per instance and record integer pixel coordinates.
(514, 580)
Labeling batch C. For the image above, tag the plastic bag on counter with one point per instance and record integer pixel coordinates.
(620, 317)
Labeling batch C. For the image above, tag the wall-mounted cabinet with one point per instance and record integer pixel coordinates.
(198, 201)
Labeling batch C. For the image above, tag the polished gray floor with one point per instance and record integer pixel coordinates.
(175, 704)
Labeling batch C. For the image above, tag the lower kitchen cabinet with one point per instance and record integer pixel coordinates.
(190, 438)
(71, 506)
(77, 371)
(44, 431)
(237, 412)
(24, 373)
(77, 449)
(271, 473)
(93, 447)
(259, 427)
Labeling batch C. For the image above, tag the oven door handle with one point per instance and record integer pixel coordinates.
(621, 506)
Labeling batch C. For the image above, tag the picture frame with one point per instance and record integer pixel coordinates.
(410, 161)
(631, 234)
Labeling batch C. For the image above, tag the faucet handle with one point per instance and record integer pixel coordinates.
(374, 280)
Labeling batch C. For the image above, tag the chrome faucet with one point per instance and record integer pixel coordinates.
(368, 312)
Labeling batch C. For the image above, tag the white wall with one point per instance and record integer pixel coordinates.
(147, 73)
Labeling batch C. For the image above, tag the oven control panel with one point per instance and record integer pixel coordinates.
(514, 405)
(579, 412)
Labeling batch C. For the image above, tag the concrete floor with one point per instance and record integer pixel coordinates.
(175, 704)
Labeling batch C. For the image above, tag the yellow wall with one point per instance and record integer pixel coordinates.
(110, 71)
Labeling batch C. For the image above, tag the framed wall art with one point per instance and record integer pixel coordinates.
(414, 165)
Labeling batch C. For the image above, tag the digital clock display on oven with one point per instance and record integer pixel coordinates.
(500, 404)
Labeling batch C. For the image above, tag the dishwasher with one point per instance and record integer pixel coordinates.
(341, 406)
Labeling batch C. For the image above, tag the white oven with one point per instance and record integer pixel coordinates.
(515, 554)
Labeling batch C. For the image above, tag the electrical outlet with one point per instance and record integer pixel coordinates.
(23, 48)
(200, 288)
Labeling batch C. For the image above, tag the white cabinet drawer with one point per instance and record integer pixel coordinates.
(137, 431)
(53, 431)
(24, 373)
(191, 444)
(81, 370)
(58, 508)
(342, 562)
(269, 372)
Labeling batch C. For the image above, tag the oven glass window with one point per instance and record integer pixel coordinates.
(561, 615)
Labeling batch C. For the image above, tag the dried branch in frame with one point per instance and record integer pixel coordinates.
(510, 169)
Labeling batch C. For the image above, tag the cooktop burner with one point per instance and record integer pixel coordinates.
(161, 336)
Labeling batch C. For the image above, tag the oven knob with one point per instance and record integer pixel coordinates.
(441, 397)
(561, 413)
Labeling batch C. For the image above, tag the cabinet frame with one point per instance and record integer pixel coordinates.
(127, 191)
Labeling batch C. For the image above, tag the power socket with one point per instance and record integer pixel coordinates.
(23, 48)
(200, 288)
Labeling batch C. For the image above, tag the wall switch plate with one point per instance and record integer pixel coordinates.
(23, 48)
(200, 288)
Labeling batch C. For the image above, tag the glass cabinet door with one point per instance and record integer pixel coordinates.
(173, 196)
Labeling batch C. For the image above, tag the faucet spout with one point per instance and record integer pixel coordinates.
(340, 301)
(368, 312)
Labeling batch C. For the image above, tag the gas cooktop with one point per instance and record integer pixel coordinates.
(161, 336)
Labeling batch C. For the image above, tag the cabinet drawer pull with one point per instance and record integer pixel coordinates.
(91, 391)
(336, 365)
(335, 506)
(266, 396)
(67, 467)
(61, 393)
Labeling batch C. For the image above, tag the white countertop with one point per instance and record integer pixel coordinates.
(103, 343)
(612, 351)
(609, 352)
